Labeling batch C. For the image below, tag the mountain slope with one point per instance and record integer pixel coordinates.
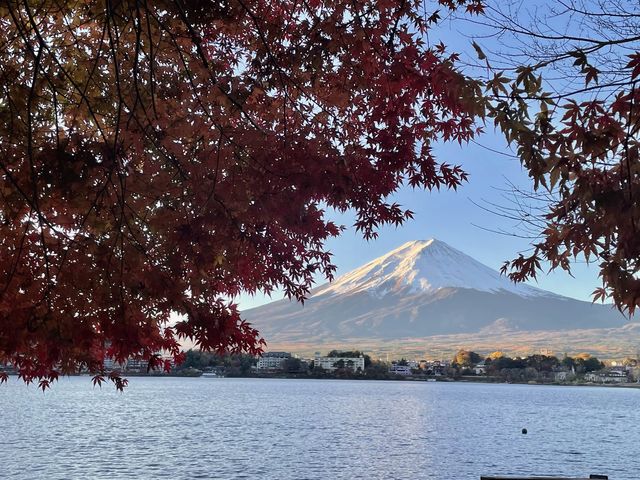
(420, 289)
(423, 266)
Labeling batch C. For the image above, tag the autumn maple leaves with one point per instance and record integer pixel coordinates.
(158, 159)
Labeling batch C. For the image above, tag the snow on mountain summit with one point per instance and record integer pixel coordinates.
(423, 289)
(424, 266)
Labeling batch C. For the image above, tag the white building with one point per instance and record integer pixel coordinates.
(400, 369)
(111, 364)
(137, 365)
(604, 376)
(480, 369)
(333, 363)
(272, 360)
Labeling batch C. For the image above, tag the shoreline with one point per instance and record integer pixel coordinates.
(448, 380)
(442, 380)
(479, 380)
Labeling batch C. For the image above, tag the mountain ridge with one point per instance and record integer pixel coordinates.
(426, 265)
(423, 288)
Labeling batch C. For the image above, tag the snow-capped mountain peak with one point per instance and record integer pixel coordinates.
(423, 289)
(423, 266)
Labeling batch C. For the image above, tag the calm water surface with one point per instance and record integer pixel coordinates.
(204, 428)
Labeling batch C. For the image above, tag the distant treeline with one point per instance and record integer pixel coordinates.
(533, 367)
(465, 362)
(240, 365)
(497, 361)
(232, 364)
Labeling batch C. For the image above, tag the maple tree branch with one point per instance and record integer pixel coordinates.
(16, 262)
(631, 130)
(520, 29)
(151, 58)
(34, 177)
(197, 42)
(116, 71)
(209, 116)
(22, 31)
(561, 96)
(587, 13)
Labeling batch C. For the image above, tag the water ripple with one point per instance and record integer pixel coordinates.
(169, 428)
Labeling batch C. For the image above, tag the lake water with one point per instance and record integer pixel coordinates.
(207, 428)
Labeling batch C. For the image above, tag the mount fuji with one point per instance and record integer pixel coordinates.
(424, 289)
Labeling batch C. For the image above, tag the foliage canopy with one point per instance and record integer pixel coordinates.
(158, 158)
(564, 91)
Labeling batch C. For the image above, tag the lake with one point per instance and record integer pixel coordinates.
(223, 428)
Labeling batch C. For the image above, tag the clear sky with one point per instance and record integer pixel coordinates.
(454, 217)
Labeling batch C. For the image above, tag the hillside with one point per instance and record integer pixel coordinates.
(424, 289)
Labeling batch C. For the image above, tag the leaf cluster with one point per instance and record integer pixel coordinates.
(577, 136)
(159, 158)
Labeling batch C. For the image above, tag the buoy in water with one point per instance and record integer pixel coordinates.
(524, 431)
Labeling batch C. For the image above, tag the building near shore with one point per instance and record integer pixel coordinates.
(400, 369)
(607, 376)
(136, 365)
(333, 363)
(272, 361)
(480, 368)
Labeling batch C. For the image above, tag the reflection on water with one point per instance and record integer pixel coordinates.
(202, 428)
